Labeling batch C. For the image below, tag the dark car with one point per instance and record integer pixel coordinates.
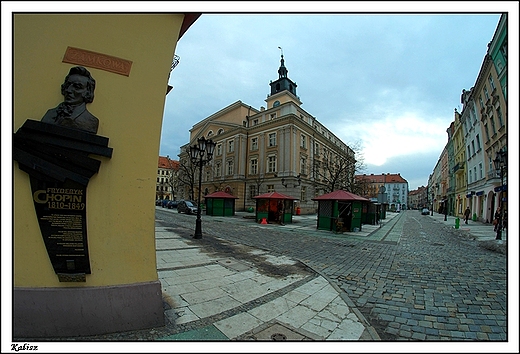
(158, 202)
(186, 206)
(425, 211)
(172, 204)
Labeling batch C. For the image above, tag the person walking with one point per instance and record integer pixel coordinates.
(497, 218)
(467, 212)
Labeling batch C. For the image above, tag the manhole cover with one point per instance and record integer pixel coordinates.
(278, 336)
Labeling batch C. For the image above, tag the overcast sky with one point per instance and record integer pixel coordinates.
(387, 82)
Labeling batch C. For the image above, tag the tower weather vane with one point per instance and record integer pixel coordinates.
(281, 50)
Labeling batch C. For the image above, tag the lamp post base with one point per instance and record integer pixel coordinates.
(198, 229)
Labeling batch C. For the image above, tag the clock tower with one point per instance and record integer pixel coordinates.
(283, 86)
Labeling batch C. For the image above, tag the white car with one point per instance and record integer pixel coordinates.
(425, 211)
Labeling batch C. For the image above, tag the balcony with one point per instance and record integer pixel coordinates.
(493, 175)
(459, 167)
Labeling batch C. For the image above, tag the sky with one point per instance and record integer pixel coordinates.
(388, 83)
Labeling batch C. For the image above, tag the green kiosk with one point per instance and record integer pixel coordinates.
(220, 204)
(274, 207)
(340, 211)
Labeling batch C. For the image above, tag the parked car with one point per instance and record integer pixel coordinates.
(172, 204)
(158, 202)
(187, 206)
(425, 211)
(164, 203)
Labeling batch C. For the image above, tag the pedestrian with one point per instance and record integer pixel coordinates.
(467, 212)
(497, 218)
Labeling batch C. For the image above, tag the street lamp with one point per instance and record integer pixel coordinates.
(500, 163)
(201, 154)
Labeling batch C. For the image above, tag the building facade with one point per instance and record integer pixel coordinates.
(393, 186)
(280, 147)
(167, 171)
(478, 135)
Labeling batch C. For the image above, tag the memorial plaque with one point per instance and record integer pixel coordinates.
(61, 212)
(55, 153)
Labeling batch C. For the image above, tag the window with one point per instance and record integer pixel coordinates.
(316, 149)
(220, 131)
(303, 166)
(270, 188)
(492, 120)
(480, 101)
(491, 83)
(478, 142)
(254, 166)
(272, 139)
(252, 192)
(481, 172)
(469, 152)
(475, 172)
(210, 133)
(500, 120)
(303, 142)
(271, 164)
(486, 130)
(473, 146)
(230, 166)
(219, 149)
(486, 94)
(470, 176)
(255, 121)
(303, 194)
(231, 146)
(218, 169)
(254, 143)
(273, 115)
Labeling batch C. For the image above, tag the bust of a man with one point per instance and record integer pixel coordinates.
(77, 91)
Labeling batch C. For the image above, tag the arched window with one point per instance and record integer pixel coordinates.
(220, 131)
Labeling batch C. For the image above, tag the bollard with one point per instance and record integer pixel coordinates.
(457, 222)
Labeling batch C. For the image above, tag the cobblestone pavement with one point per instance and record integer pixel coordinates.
(413, 279)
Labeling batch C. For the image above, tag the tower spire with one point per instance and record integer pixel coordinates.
(282, 71)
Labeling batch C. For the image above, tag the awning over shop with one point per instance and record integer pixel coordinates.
(480, 193)
(501, 188)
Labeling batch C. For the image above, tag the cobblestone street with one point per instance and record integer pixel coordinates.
(413, 279)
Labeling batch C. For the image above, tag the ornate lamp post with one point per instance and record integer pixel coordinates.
(201, 154)
(500, 162)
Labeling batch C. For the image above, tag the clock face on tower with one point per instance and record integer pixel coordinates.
(276, 103)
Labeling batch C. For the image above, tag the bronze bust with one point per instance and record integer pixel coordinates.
(77, 90)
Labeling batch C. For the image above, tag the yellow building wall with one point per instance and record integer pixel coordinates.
(120, 197)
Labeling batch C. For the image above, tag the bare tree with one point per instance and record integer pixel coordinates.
(187, 174)
(173, 176)
(337, 169)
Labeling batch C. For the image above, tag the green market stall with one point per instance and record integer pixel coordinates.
(220, 204)
(340, 211)
(274, 207)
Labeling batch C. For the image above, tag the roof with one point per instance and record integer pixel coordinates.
(165, 162)
(383, 178)
(341, 195)
(220, 194)
(274, 195)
